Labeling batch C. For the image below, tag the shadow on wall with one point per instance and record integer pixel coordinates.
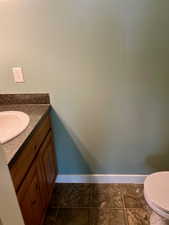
(72, 156)
(159, 161)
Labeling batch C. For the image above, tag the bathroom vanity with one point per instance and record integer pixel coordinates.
(32, 163)
(34, 173)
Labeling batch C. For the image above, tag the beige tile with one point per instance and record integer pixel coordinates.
(138, 216)
(106, 216)
(76, 195)
(69, 216)
(51, 216)
(57, 195)
(133, 195)
(107, 196)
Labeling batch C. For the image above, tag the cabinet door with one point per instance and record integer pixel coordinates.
(48, 162)
(30, 199)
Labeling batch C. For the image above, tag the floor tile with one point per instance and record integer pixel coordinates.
(76, 195)
(106, 216)
(51, 216)
(56, 195)
(106, 195)
(98, 204)
(133, 195)
(138, 216)
(68, 216)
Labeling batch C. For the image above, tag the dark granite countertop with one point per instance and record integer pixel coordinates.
(36, 113)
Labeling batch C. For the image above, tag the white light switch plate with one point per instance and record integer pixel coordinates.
(18, 74)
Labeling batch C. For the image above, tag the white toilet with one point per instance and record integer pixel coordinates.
(156, 193)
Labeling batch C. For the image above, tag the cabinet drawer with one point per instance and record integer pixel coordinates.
(23, 162)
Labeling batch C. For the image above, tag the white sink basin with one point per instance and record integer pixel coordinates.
(12, 123)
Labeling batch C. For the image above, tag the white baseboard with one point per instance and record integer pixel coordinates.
(102, 178)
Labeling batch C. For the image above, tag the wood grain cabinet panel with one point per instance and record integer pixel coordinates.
(48, 163)
(38, 180)
(29, 197)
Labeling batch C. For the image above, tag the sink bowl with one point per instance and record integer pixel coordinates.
(12, 123)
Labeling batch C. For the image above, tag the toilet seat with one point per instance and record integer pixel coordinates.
(156, 191)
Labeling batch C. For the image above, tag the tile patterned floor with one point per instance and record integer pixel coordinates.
(98, 204)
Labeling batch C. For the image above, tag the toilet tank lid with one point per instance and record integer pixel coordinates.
(156, 189)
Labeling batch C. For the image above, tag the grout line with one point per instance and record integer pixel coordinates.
(125, 216)
(125, 210)
(57, 211)
(122, 196)
(90, 207)
(91, 194)
(79, 207)
(124, 206)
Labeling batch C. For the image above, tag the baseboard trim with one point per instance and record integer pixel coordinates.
(102, 178)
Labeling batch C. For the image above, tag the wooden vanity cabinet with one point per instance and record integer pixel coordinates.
(30, 198)
(34, 184)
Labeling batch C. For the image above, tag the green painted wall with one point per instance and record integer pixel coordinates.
(106, 67)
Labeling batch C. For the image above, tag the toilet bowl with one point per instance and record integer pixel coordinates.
(156, 193)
